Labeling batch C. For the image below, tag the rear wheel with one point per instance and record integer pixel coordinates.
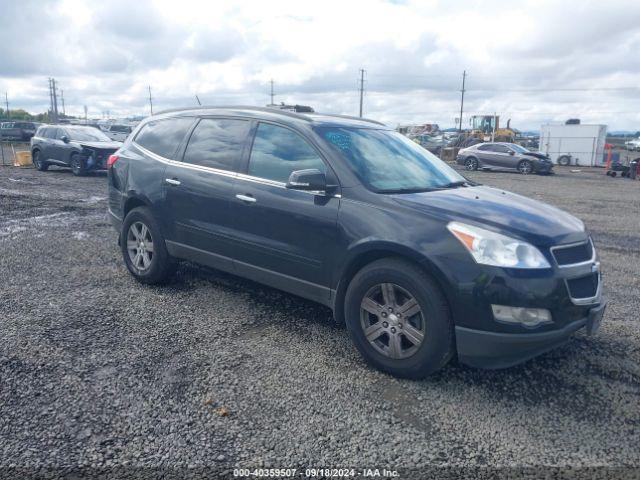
(77, 165)
(564, 160)
(143, 248)
(525, 167)
(38, 162)
(399, 319)
(471, 163)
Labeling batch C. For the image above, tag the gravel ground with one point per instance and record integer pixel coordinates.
(217, 372)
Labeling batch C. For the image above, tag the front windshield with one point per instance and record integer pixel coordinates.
(387, 161)
(87, 134)
(518, 148)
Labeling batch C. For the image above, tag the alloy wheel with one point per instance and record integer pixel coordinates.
(392, 321)
(75, 164)
(36, 159)
(140, 246)
(470, 164)
(525, 167)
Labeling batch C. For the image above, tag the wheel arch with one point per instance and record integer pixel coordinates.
(364, 254)
(134, 201)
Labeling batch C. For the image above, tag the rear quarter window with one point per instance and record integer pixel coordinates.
(163, 137)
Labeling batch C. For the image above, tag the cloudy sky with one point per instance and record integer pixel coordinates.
(531, 61)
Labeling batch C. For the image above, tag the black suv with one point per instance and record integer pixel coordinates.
(17, 130)
(77, 146)
(421, 263)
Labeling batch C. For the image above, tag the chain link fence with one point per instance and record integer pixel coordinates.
(8, 150)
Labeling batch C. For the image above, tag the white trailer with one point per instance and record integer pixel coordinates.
(584, 144)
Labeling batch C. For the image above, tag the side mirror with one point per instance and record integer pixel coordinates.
(511, 152)
(65, 139)
(310, 179)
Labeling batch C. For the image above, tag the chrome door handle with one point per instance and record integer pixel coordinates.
(246, 198)
(172, 181)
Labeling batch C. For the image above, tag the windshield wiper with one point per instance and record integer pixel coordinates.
(407, 190)
(459, 183)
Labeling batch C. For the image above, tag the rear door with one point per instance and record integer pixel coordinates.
(285, 236)
(485, 154)
(199, 191)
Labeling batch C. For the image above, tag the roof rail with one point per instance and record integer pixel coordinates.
(351, 117)
(273, 110)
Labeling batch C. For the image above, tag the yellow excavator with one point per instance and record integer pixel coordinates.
(486, 128)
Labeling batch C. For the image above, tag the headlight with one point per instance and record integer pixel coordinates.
(490, 248)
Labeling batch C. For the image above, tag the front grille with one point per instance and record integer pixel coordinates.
(584, 287)
(573, 254)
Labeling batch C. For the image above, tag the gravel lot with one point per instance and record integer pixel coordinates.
(99, 371)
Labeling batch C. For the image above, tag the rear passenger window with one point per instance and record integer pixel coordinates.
(278, 151)
(162, 137)
(217, 143)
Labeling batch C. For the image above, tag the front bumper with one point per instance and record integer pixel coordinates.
(484, 349)
(544, 167)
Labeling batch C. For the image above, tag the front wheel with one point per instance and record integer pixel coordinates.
(77, 165)
(143, 248)
(525, 167)
(399, 319)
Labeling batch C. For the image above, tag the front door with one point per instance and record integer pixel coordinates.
(503, 157)
(285, 236)
(61, 150)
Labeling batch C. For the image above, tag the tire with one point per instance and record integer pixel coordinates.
(614, 174)
(37, 161)
(77, 165)
(160, 266)
(525, 167)
(409, 359)
(471, 164)
(564, 160)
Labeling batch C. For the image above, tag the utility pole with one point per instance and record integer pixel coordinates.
(361, 89)
(50, 102)
(55, 100)
(6, 99)
(64, 112)
(464, 76)
(272, 94)
(85, 114)
(150, 101)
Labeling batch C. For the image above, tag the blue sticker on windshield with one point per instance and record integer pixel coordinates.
(340, 140)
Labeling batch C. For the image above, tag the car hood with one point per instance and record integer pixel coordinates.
(537, 155)
(501, 211)
(110, 145)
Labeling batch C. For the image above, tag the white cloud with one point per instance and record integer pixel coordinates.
(530, 61)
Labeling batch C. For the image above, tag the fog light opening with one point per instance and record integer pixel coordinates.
(528, 317)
